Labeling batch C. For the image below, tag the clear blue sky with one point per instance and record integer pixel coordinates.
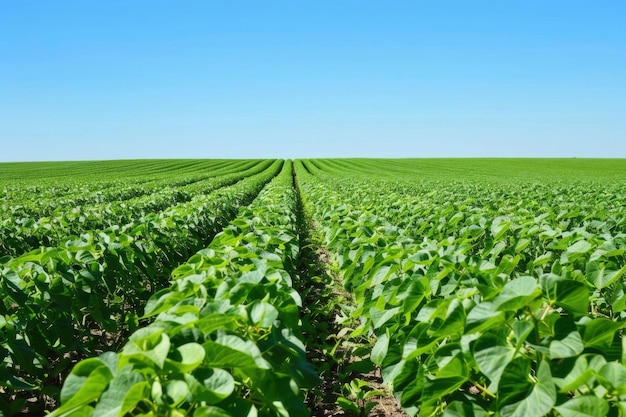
(149, 79)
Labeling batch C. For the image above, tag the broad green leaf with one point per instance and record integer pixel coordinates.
(263, 314)
(123, 393)
(492, 354)
(175, 392)
(507, 264)
(348, 405)
(579, 375)
(499, 227)
(577, 250)
(148, 346)
(521, 330)
(584, 406)
(380, 317)
(567, 341)
(84, 384)
(619, 305)
(517, 294)
(230, 351)
(452, 323)
(409, 382)
(186, 358)
(539, 401)
(379, 351)
(216, 321)
(567, 293)
(419, 341)
(483, 316)
(161, 301)
(216, 385)
(600, 332)
(211, 411)
(601, 277)
(413, 296)
(466, 408)
(448, 379)
(515, 383)
(613, 376)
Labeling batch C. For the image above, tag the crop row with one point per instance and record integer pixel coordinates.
(531, 226)
(21, 234)
(476, 296)
(48, 196)
(467, 320)
(66, 302)
(75, 172)
(224, 337)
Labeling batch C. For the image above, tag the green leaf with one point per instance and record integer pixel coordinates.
(584, 406)
(577, 250)
(216, 385)
(499, 227)
(452, 323)
(507, 264)
(124, 392)
(580, 374)
(211, 411)
(613, 376)
(419, 341)
(230, 351)
(147, 346)
(379, 351)
(483, 316)
(540, 400)
(85, 411)
(17, 383)
(186, 358)
(521, 330)
(600, 277)
(448, 378)
(409, 382)
(600, 332)
(263, 314)
(241, 408)
(216, 321)
(175, 392)
(413, 296)
(567, 293)
(464, 409)
(567, 342)
(84, 384)
(492, 354)
(162, 301)
(380, 317)
(517, 294)
(348, 405)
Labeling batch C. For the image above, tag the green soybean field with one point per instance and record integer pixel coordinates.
(284, 288)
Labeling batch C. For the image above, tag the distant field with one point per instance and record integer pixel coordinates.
(460, 168)
(475, 287)
(488, 168)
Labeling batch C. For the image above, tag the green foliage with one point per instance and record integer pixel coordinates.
(480, 288)
(67, 302)
(480, 297)
(224, 336)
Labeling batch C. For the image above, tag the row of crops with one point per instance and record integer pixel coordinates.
(483, 297)
(176, 287)
(86, 291)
